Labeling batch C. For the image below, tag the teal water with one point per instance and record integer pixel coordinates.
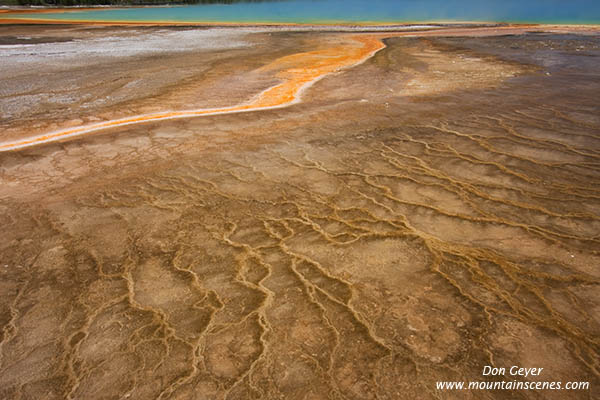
(350, 11)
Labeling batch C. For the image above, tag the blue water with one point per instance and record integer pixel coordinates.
(349, 11)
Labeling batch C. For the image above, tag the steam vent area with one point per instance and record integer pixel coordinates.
(295, 213)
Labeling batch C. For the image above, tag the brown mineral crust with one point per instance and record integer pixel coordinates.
(415, 218)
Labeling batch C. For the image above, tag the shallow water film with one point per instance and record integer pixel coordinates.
(415, 218)
(348, 11)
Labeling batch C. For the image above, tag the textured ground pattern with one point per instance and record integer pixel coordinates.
(431, 211)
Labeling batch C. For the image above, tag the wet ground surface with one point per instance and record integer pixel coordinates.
(431, 211)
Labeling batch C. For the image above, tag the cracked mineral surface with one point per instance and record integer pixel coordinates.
(415, 217)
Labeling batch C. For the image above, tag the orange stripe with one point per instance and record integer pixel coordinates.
(297, 71)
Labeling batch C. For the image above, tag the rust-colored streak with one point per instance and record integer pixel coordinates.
(296, 72)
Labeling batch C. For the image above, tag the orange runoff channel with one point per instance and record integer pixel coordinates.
(297, 72)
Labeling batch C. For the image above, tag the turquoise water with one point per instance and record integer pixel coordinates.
(349, 11)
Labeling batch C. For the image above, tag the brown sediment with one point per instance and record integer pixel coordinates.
(428, 212)
(300, 71)
(296, 71)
